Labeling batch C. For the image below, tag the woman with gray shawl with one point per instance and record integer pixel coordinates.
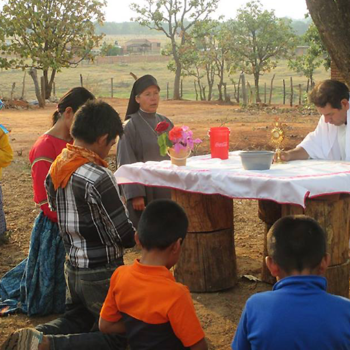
(139, 142)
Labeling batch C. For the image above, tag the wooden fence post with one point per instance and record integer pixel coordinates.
(284, 92)
(299, 94)
(238, 88)
(271, 88)
(291, 92)
(167, 91)
(111, 87)
(265, 93)
(81, 80)
(13, 90)
(307, 85)
(24, 85)
(250, 99)
(244, 91)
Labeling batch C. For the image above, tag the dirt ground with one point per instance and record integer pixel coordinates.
(219, 313)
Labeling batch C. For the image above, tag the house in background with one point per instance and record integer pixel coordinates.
(142, 47)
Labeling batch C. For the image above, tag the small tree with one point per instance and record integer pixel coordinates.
(50, 35)
(174, 18)
(260, 40)
(314, 57)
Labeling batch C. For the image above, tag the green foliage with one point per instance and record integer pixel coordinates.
(164, 143)
(260, 40)
(316, 55)
(168, 17)
(110, 50)
(49, 34)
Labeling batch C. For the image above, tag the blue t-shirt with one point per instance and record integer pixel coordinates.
(297, 314)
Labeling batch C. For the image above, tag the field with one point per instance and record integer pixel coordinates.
(97, 78)
(219, 313)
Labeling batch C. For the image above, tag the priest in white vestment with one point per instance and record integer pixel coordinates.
(331, 138)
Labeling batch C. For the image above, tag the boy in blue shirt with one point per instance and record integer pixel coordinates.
(298, 313)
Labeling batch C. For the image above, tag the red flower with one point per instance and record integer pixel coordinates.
(175, 133)
(161, 127)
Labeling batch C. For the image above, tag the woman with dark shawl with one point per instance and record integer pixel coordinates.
(139, 142)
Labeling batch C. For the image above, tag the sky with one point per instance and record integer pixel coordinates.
(119, 10)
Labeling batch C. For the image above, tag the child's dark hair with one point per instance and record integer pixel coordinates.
(162, 223)
(329, 91)
(296, 243)
(95, 119)
(74, 98)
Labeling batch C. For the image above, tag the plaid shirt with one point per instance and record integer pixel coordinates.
(91, 217)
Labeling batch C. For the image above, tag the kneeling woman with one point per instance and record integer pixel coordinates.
(37, 285)
(140, 142)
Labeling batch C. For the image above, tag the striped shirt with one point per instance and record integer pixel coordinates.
(91, 217)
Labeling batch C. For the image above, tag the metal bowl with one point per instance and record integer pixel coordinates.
(256, 160)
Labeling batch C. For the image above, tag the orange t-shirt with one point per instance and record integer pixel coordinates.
(156, 310)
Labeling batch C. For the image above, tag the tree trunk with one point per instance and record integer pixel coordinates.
(332, 20)
(34, 75)
(176, 94)
(256, 82)
(48, 83)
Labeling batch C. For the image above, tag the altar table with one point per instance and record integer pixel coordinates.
(205, 187)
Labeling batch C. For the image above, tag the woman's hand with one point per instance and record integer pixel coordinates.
(138, 203)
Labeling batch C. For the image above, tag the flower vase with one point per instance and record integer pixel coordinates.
(179, 158)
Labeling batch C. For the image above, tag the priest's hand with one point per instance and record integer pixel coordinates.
(138, 203)
(294, 154)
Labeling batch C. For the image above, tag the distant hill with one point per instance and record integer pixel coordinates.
(133, 28)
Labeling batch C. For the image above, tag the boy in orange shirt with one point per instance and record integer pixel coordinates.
(144, 300)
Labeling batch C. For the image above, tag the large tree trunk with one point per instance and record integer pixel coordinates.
(332, 20)
(33, 74)
(176, 95)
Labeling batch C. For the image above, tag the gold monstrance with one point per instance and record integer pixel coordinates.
(277, 137)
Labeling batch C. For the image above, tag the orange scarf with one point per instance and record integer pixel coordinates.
(70, 159)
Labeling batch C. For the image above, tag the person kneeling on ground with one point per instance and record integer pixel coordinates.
(298, 313)
(95, 229)
(144, 300)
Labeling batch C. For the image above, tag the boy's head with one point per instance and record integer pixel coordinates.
(97, 123)
(162, 223)
(297, 245)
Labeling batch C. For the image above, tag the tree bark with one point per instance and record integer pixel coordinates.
(256, 83)
(48, 83)
(332, 20)
(33, 74)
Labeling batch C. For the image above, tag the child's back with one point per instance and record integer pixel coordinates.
(298, 313)
(156, 311)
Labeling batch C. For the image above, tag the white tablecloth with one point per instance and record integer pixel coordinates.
(288, 183)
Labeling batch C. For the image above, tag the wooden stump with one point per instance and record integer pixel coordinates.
(333, 214)
(208, 261)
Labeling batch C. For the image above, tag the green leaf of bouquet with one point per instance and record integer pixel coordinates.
(162, 142)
